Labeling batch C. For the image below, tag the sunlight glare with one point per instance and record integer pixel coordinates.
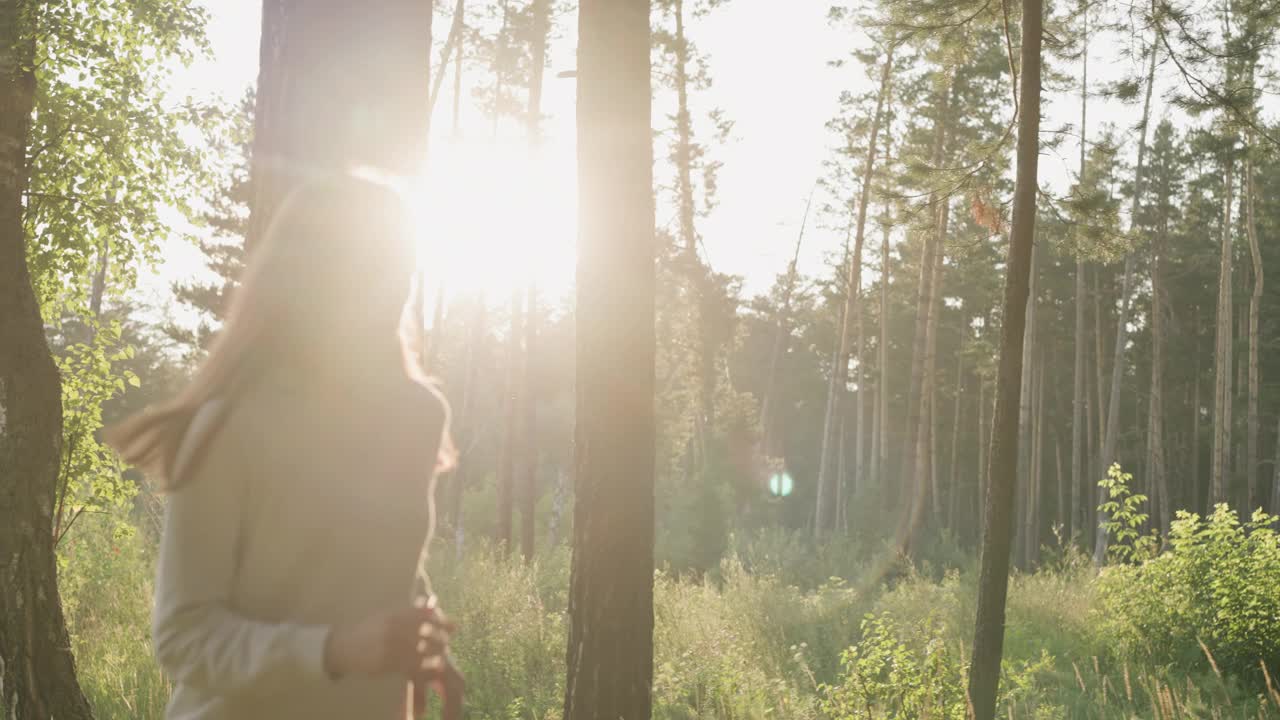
(494, 215)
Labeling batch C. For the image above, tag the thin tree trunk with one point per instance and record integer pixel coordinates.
(910, 446)
(1275, 476)
(541, 10)
(529, 430)
(610, 618)
(853, 284)
(466, 422)
(926, 466)
(983, 439)
(1027, 396)
(1075, 521)
(1222, 358)
(953, 487)
(860, 404)
(1122, 321)
(993, 580)
(456, 129)
(1160, 504)
(882, 399)
(1194, 490)
(37, 670)
(511, 429)
(1255, 309)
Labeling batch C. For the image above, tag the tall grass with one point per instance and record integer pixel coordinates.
(757, 638)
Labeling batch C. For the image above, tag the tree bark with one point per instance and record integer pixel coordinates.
(529, 431)
(993, 580)
(1122, 321)
(910, 446)
(1025, 445)
(541, 10)
(953, 468)
(1255, 309)
(1075, 521)
(511, 430)
(1222, 357)
(882, 350)
(610, 652)
(853, 285)
(340, 85)
(37, 670)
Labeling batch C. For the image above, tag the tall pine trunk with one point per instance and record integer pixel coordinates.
(1255, 309)
(993, 579)
(1220, 460)
(610, 650)
(541, 18)
(510, 459)
(37, 670)
(1122, 321)
(1023, 492)
(852, 310)
(910, 447)
(1079, 400)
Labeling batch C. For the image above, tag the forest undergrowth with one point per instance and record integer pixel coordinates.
(782, 631)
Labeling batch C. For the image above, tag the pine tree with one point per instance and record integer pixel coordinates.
(610, 652)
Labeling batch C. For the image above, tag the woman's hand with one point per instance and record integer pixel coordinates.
(397, 641)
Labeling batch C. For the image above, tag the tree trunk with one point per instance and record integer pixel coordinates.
(1075, 521)
(467, 425)
(1222, 358)
(993, 580)
(1194, 491)
(37, 670)
(1275, 477)
(610, 652)
(529, 430)
(882, 394)
(328, 99)
(1122, 321)
(926, 468)
(983, 439)
(541, 10)
(953, 469)
(853, 284)
(929, 247)
(1255, 309)
(511, 430)
(1025, 445)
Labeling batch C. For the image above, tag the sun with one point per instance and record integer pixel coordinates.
(495, 215)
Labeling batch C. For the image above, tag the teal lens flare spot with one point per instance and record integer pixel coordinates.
(781, 484)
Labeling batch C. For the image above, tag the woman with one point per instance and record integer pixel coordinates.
(300, 465)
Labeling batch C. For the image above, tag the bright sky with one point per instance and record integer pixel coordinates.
(772, 79)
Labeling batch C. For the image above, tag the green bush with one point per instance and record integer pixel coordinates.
(1212, 596)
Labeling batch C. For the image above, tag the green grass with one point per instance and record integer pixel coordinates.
(757, 639)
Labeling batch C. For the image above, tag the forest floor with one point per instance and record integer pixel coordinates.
(777, 631)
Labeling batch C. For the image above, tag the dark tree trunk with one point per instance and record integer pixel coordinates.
(610, 653)
(37, 670)
(1079, 401)
(340, 85)
(541, 10)
(1254, 450)
(993, 580)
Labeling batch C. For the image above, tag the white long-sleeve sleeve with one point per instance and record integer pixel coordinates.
(200, 639)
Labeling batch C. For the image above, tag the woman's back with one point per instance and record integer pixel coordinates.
(307, 509)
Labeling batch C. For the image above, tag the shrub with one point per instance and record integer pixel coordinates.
(1213, 595)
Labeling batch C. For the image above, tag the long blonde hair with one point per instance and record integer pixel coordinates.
(330, 241)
